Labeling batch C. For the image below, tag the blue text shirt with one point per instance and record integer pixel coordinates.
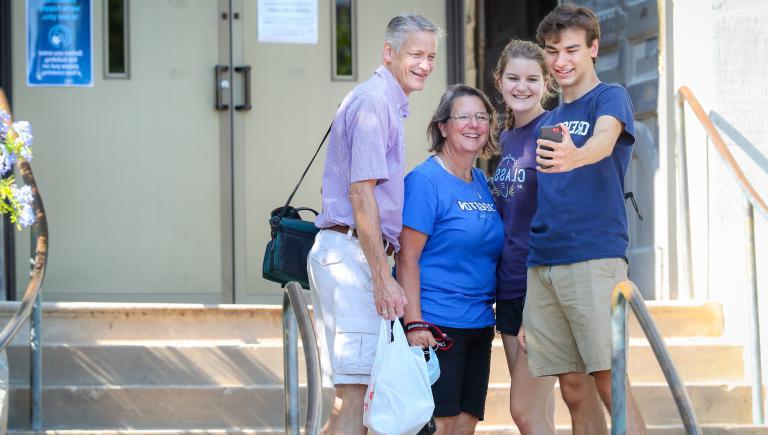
(458, 262)
(581, 214)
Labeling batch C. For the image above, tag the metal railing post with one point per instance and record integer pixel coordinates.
(311, 356)
(627, 291)
(685, 214)
(296, 315)
(754, 324)
(618, 364)
(291, 368)
(36, 366)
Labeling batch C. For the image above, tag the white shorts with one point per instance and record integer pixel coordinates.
(345, 315)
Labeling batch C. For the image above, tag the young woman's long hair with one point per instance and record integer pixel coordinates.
(519, 49)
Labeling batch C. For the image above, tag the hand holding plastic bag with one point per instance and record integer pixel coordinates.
(399, 398)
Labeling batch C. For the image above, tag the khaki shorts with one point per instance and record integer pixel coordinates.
(567, 316)
(346, 320)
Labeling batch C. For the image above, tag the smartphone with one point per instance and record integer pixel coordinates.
(553, 133)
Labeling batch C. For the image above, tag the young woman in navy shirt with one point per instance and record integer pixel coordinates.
(522, 78)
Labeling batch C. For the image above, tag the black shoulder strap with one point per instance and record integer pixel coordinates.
(287, 203)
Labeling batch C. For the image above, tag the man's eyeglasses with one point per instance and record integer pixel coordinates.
(480, 117)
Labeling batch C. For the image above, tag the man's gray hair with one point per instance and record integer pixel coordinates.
(400, 26)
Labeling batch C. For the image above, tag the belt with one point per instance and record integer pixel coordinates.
(388, 248)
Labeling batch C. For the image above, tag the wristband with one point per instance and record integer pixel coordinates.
(444, 342)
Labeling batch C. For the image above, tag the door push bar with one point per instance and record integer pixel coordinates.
(246, 71)
(221, 83)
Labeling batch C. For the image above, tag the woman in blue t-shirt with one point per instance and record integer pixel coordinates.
(522, 78)
(449, 247)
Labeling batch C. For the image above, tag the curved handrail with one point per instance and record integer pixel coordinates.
(626, 291)
(294, 298)
(753, 200)
(751, 193)
(739, 140)
(40, 229)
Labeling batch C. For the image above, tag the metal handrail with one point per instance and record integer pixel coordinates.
(624, 292)
(296, 314)
(752, 200)
(32, 293)
(686, 95)
(738, 139)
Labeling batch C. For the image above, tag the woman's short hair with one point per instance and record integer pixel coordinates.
(404, 24)
(443, 112)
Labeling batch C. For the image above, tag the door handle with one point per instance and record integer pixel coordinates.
(220, 83)
(246, 71)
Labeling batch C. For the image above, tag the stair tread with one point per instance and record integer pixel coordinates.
(279, 385)
(278, 342)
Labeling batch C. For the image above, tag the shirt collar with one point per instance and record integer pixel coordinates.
(394, 90)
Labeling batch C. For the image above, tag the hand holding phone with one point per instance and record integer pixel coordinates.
(552, 133)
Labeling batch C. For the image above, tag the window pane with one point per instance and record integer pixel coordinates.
(344, 37)
(116, 38)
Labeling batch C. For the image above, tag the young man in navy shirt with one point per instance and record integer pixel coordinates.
(579, 237)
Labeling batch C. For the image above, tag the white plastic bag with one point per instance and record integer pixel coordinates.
(399, 397)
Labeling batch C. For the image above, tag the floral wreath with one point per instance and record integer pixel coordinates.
(15, 142)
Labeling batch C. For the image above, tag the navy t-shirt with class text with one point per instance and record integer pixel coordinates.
(514, 190)
(580, 214)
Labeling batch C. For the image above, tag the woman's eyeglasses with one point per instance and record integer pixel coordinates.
(480, 117)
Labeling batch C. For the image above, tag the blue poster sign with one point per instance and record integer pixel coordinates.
(59, 43)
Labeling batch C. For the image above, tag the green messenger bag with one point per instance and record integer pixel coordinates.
(285, 258)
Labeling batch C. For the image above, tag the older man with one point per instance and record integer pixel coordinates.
(349, 274)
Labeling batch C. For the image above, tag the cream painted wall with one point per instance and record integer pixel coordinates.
(719, 54)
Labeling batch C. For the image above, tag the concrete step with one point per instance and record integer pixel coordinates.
(654, 430)
(724, 361)
(485, 430)
(683, 319)
(86, 322)
(91, 323)
(712, 403)
(90, 408)
(220, 362)
(261, 406)
(148, 431)
(156, 363)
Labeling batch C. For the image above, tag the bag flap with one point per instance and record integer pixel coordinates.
(298, 225)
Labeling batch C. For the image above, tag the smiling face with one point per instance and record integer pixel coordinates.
(415, 60)
(570, 59)
(522, 85)
(465, 136)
